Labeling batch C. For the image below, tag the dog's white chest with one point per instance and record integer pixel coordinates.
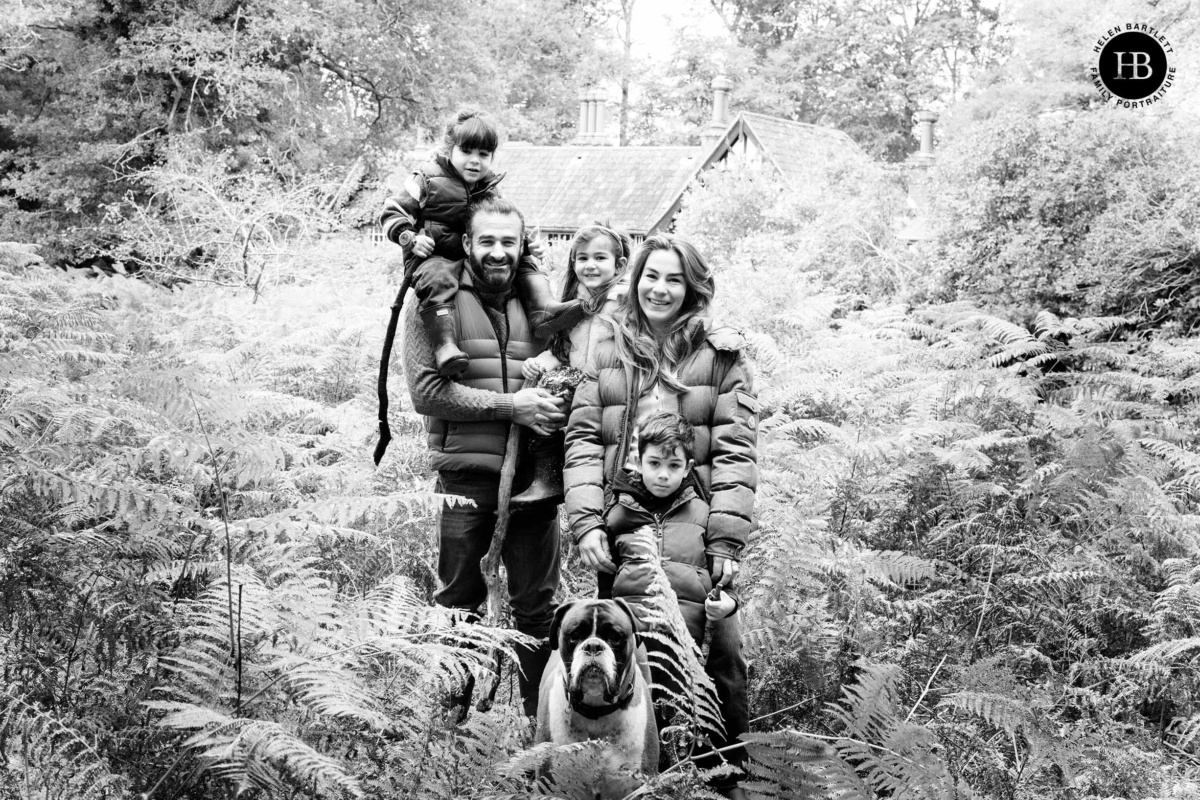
(624, 730)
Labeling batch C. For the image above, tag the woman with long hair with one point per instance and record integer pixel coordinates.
(666, 356)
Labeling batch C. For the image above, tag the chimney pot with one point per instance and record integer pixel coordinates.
(721, 86)
(925, 120)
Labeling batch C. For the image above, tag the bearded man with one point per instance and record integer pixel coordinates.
(468, 417)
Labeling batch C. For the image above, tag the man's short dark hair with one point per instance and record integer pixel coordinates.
(492, 204)
(668, 431)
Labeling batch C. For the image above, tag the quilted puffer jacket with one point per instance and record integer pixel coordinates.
(719, 403)
(673, 537)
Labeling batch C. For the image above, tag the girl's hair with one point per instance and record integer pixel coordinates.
(636, 344)
(471, 130)
(622, 247)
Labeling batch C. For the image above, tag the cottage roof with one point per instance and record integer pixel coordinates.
(792, 146)
(563, 188)
(640, 189)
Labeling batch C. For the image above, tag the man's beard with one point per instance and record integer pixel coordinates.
(492, 273)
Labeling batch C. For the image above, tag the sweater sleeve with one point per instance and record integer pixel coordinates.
(402, 212)
(437, 396)
(734, 463)
(583, 475)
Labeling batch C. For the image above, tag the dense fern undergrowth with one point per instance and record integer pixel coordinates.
(977, 575)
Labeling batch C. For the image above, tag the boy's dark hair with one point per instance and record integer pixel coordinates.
(492, 204)
(668, 431)
(471, 130)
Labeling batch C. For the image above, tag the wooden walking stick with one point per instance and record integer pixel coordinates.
(385, 360)
(490, 563)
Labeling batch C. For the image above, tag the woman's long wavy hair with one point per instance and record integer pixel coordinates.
(654, 360)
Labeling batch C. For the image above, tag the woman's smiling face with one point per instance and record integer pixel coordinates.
(661, 289)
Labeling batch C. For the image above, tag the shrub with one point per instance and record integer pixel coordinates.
(1082, 214)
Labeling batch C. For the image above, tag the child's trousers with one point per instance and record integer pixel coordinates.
(727, 667)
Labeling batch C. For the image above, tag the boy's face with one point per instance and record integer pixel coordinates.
(663, 470)
(472, 164)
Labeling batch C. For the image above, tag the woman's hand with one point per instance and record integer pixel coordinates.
(422, 246)
(593, 549)
(724, 571)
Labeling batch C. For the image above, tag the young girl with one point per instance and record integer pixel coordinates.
(428, 220)
(596, 278)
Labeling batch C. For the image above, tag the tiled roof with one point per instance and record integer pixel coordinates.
(563, 188)
(792, 146)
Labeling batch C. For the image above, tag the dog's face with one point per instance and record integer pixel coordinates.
(597, 640)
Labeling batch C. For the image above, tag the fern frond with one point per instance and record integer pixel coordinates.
(57, 762)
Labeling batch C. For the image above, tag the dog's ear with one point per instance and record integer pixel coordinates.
(559, 614)
(633, 618)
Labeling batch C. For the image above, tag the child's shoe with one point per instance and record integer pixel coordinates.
(441, 326)
(548, 463)
(547, 315)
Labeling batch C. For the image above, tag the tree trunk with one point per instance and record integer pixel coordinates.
(626, 66)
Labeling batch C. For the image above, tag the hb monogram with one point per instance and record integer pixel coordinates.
(1137, 62)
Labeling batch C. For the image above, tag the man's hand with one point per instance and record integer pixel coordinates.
(538, 410)
(422, 246)
(724, 571)
(593, 549)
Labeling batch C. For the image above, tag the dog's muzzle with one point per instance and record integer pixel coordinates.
(592, 672)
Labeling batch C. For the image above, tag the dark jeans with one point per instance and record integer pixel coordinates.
(530, 552)
(727, 667)
(435, 280)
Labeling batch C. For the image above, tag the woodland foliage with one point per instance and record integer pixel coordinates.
(978, 567)
(976, 573)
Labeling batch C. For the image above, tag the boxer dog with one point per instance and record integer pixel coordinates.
(594, 688)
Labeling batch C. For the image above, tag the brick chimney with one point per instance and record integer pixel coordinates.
(713, 131)
(591, 117)
(925, 120)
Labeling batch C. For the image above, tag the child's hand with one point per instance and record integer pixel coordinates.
(422, 246)
(531, 369)
(542, 362)
(535, 247)
(720, 607)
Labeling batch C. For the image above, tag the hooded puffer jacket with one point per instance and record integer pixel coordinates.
(673, 537)
(722, 408)
(444, 215)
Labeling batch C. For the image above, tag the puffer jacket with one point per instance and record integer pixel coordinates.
(480, 444)
(442, 210)
(585, 338)
(719, 403)
(673, 537)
